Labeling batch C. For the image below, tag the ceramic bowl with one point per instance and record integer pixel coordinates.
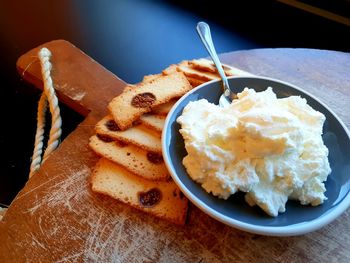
(298, 219)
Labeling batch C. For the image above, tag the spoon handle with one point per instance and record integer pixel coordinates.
(203, 30)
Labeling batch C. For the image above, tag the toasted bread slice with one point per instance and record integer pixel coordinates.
(129, 87)
(149, 165)
(138, 135)
(170, 70)
(164, 108)
(203, 64)
(150, 78)
(154, 122)
(146, 79)
(195, 82)
(199, 71)
(196, 74)
(132, 103)
(161, 199)
(206, 65)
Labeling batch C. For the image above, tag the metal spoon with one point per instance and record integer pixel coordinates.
(203, 30)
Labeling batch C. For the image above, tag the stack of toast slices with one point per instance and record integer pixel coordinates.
(131, 168)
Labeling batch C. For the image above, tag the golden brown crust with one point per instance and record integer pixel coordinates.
(150, 78)
(154, 122)
(115, 181)
(164, 108)
(132, 158)
(132, 103)
(138, 135)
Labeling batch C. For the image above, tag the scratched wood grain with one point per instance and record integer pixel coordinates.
(56, 218)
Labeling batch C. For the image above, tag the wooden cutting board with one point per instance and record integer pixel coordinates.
(56, 217)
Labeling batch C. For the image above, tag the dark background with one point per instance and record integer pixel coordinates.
(132, 39)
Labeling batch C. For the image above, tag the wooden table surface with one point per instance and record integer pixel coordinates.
(56, 217)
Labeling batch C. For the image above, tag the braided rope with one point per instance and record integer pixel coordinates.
(56, 122)
(39, 136)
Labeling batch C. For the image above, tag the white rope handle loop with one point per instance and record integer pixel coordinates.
(56, 122)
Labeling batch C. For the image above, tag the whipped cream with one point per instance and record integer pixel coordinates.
(270, 148)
